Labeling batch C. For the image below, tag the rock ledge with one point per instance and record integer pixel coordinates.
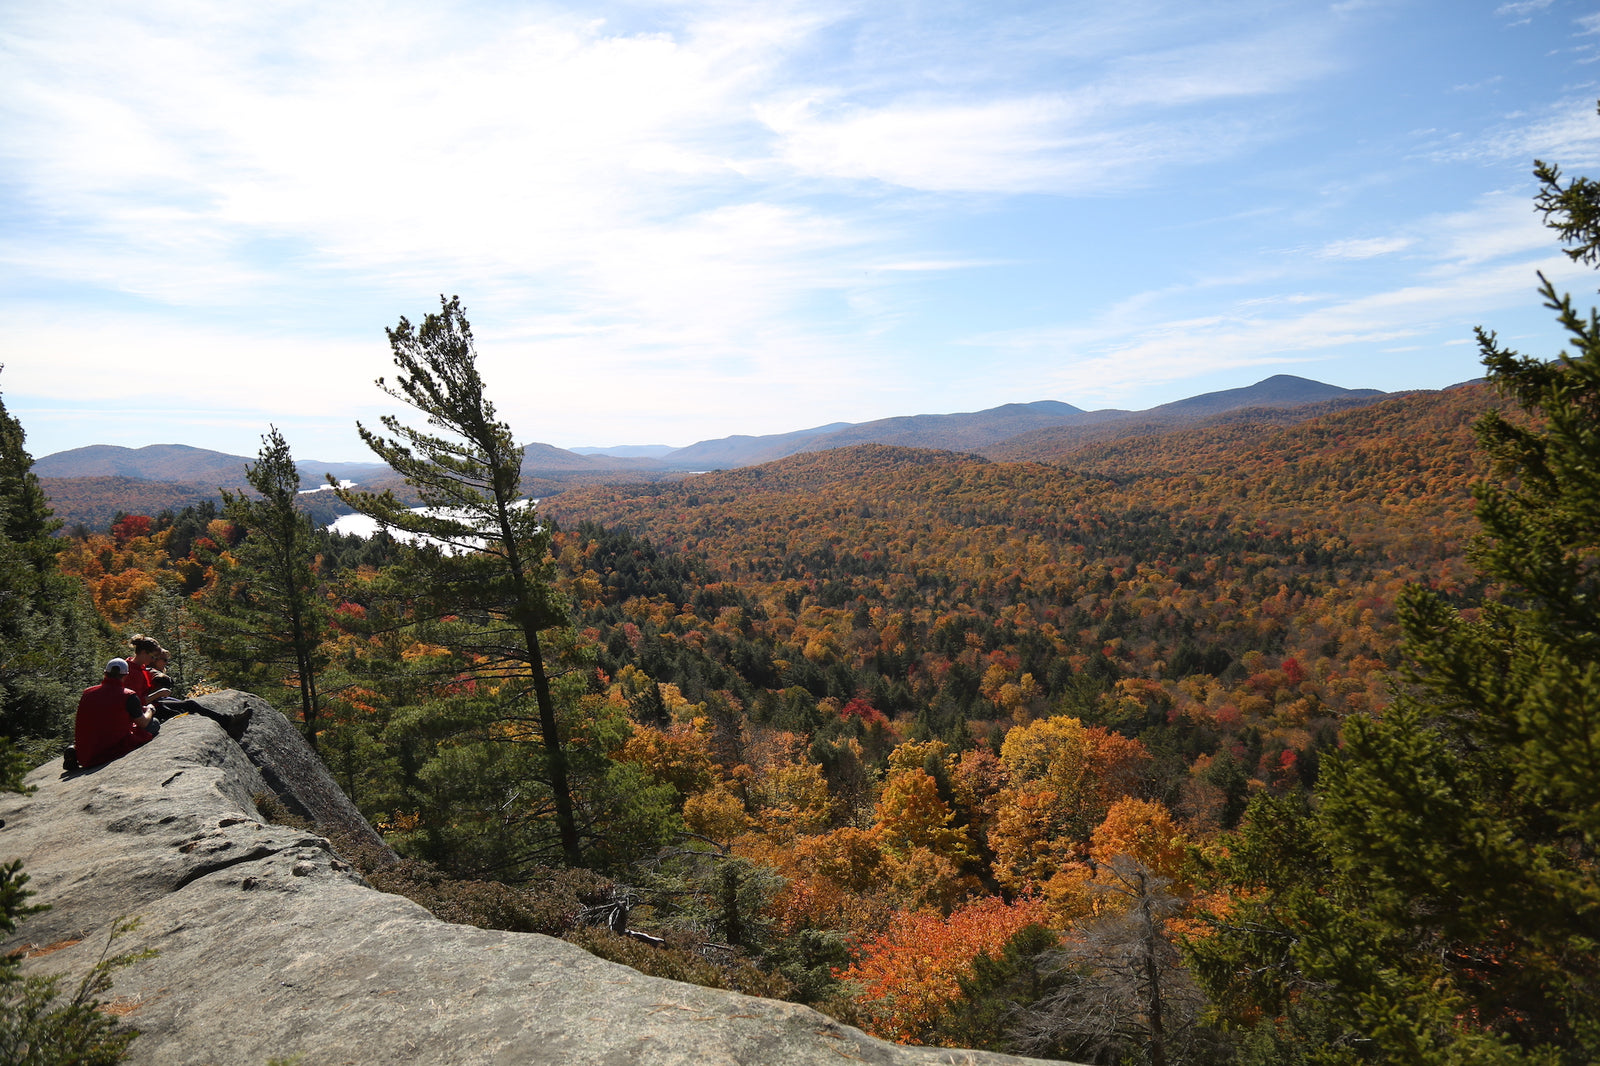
(271, 946)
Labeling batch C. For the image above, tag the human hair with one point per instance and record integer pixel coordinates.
(142, 643)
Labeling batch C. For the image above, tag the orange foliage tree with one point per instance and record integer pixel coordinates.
(119, 571)
(911, 975)
(1142, 831)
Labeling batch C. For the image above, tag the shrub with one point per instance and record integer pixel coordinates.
(681, 960)
(547, 903)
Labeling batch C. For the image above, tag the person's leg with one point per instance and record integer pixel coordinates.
(171, 707)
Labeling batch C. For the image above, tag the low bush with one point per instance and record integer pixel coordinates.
(547, 903)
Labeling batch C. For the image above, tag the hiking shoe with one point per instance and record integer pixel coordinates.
(69, 758)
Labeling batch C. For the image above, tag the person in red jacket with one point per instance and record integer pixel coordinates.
(112, 720)
(139, 680)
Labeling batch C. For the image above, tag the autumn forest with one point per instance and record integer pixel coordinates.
(1250, 740)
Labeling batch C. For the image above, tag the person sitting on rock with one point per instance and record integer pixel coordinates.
(155, 692)
(139, 680)
(112, 720)
(158, 671)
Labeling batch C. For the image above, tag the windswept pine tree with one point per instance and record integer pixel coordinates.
(479, 566)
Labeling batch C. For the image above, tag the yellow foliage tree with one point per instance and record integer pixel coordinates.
(1044, 748)
(1030, 837)
(1063, 778)
(831, 880)
(791, 799)
(911, 814)
(716, 814)
(679, 755)
(1143, 831)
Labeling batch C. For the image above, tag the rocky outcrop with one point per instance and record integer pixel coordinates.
(270, 945)
(299, 780)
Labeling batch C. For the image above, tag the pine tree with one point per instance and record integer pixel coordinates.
(1458, 918)
(42, 620)
(265, 618)
(481, 559)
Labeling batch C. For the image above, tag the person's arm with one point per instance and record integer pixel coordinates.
(140, 714)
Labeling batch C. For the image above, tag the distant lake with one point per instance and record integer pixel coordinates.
(344, 483)
(361, 525)
(358, 524)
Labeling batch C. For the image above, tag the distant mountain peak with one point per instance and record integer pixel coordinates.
(154, 462)
(627, 451)
(1277, 390)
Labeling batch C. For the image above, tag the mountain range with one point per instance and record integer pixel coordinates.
(181, 463)
(91, 484)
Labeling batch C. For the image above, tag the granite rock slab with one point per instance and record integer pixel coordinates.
(271, 945)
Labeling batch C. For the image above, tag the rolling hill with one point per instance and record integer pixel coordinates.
(91, 484)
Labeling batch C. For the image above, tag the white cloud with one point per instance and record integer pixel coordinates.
(1351, 7)
(1132, 117)
(1363, 248)
(1498, 226)
(140, 362)
(426, 143)
(204, 158)
(1568, 131)
(528, 164)
(1521, 8)
(1131, 346)
(654, 211)
(933, 265)
(493, 153)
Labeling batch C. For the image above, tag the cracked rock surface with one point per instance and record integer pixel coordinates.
(272, 946)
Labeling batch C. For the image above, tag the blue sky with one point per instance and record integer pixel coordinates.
(678, 221)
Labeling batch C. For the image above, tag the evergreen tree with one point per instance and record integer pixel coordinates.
(1000, 990)
(1459, 916)
(42, 621)
(265, 618)
(27, 521)
(480, 564)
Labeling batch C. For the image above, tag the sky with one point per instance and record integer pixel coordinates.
(678, 221)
